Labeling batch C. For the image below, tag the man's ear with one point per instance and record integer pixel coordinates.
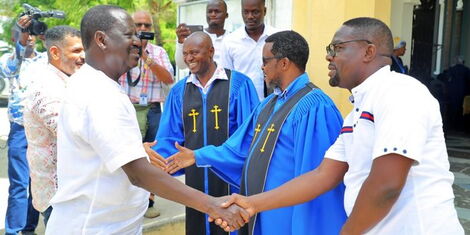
(54, 53)
(371, 53)
(285, 63)
(211, 52)
(100, 39)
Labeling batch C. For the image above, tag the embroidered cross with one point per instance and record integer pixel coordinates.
(216, 110)
(194, 114)
(270, 129)
(257, 130)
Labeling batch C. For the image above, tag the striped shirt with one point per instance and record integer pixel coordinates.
(149, 83)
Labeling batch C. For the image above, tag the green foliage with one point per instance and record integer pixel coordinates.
(163, 11)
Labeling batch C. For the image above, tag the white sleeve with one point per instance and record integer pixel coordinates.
(226, 59)
(402, 119)
(179, 56)
(114, 133)
(336, 151)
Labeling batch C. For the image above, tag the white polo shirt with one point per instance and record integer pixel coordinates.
(243, 54)
(395, 113)
(97, 134)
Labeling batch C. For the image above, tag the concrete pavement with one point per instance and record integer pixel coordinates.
(171, 220)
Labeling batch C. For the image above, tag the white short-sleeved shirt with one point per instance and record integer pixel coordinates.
(395, 113)
(243, 54)
(97, 134)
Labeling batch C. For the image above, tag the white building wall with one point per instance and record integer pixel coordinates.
(401, 24)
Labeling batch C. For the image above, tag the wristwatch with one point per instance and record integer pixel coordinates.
(149, 61)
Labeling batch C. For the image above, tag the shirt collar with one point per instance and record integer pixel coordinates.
(358, 91)
(268, 30)
(214, 36)
(295, 86)
(219, 73)
(101, 76)
(59, 73)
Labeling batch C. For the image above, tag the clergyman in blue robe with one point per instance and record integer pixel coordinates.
(311, 123)
(204, 108)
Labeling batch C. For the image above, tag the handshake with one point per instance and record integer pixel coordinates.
(229, 212)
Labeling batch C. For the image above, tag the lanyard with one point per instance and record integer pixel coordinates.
(129, 79)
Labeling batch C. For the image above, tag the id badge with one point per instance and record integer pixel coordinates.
(143, 100)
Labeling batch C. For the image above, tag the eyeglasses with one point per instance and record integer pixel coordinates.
(267, 59)
(332, 47)
(146, 25)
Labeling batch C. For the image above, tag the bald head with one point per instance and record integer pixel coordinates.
(142, 14)
(200, 39)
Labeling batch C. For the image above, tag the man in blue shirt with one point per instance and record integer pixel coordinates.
(286, 136)
(20, 216)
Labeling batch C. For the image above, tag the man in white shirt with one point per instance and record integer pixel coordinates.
(242, 49)
(102, 167)
(44, 96)
(391, 152)
(216, 13)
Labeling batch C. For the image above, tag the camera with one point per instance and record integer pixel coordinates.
(145, 35)
(38, 27)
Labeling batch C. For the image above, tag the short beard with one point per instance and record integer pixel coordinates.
(275, 83)
(334, 81)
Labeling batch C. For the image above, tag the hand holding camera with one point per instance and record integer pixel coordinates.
(183, 31)
(33, 25)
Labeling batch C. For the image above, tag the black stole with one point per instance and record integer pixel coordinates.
(265, 136)
(217, 127)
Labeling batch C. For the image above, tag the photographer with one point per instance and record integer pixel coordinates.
(20, 215)
(146, 85)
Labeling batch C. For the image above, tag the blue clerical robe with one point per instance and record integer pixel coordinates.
(312, 126)
(242, 101)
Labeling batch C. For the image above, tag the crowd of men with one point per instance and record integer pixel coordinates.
(263, 150)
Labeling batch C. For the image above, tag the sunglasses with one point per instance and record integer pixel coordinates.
(138, 25)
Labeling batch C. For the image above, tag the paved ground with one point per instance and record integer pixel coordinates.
(171, 220)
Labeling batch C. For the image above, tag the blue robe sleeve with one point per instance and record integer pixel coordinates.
(316, 127)
(228, 159)
(243, 100)
(171, 128)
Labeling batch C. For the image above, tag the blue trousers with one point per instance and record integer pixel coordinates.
(21, 216)
(153, 121)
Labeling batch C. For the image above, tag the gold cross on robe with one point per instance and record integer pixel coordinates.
(194, 114)
(257, 130)
(216, 110)
(270, 130)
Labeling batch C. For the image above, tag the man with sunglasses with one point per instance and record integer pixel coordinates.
(391, 152)
(145, 85)
(286, 136)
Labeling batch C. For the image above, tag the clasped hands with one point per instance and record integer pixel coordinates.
(228, 212)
